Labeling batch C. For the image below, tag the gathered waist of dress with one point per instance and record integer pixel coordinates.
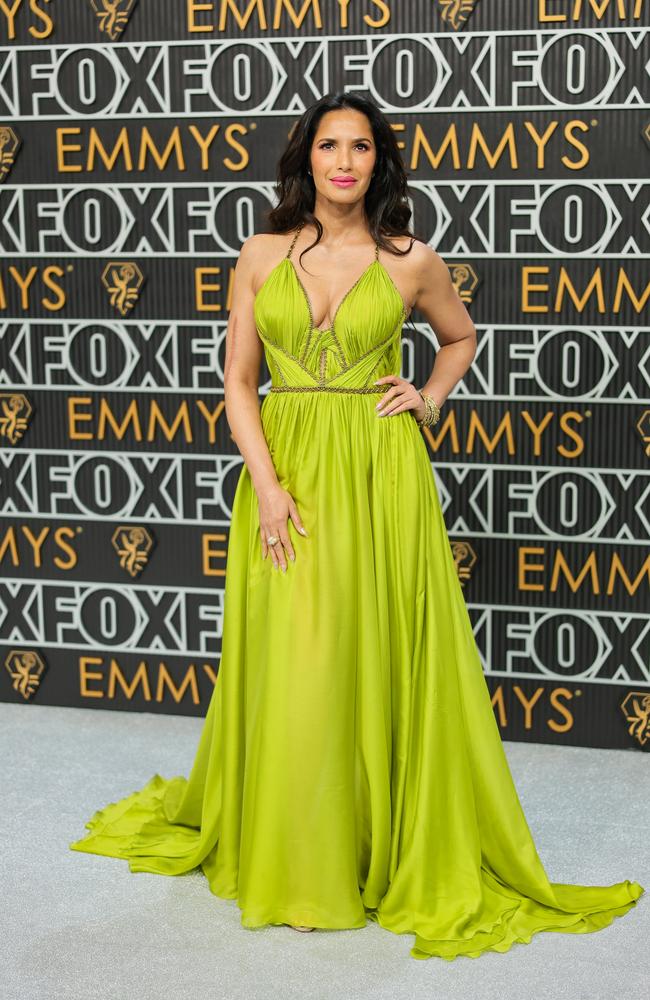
(330, 388)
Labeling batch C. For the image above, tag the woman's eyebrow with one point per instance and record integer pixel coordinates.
(329, 138)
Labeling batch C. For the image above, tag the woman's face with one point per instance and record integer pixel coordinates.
(343, 155)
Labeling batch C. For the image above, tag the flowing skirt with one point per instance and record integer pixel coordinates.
(350, 766)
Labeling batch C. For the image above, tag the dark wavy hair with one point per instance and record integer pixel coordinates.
(386, 203)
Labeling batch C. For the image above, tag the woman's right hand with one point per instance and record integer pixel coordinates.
(276, 505)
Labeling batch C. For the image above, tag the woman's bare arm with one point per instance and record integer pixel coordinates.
(440, 303)
(436, 297)
(242, 372)
(241, 392)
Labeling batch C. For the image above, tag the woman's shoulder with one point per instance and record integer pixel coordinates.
(261, 247)
(420, 268)
(257, 243)
(425, 261)
(263, 242)
(417, 249)
(421, 258)
(260, 254)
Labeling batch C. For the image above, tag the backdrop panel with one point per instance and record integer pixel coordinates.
(138, 142)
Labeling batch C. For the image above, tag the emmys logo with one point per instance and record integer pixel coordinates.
(465, 280)
(643, 427)
(133, 546)
(123, 283)
(456, 12)
(113, 15)
(646, 133)
(9, 143)
(465, 559)
(25, 669)
(15, 412)
(636, 708)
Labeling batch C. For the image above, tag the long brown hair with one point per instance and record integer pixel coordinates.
(386, 201)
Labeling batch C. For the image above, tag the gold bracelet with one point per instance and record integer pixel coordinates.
(431, 412)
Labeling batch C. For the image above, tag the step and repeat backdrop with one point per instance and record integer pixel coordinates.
(138, 143)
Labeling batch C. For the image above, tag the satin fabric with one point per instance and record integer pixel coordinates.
(350, 767)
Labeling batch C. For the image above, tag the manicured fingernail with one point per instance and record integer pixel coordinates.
(292, 558)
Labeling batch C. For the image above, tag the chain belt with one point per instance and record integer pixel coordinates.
(329, 388)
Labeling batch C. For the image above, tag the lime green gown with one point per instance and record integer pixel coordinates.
(350, 767)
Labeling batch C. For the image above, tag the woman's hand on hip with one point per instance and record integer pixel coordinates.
(401, 396)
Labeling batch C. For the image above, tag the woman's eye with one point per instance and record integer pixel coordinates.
(363, 145)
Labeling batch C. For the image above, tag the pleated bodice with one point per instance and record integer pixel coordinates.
(362, 343)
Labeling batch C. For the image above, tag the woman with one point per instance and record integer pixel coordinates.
(350, 765)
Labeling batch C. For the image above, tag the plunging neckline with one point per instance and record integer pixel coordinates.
(330, 329)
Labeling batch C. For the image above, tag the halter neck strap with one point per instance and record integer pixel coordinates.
(293, 241)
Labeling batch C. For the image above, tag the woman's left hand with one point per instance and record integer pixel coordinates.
(401, 396)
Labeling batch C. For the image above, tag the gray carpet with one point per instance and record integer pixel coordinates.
(80, 926)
